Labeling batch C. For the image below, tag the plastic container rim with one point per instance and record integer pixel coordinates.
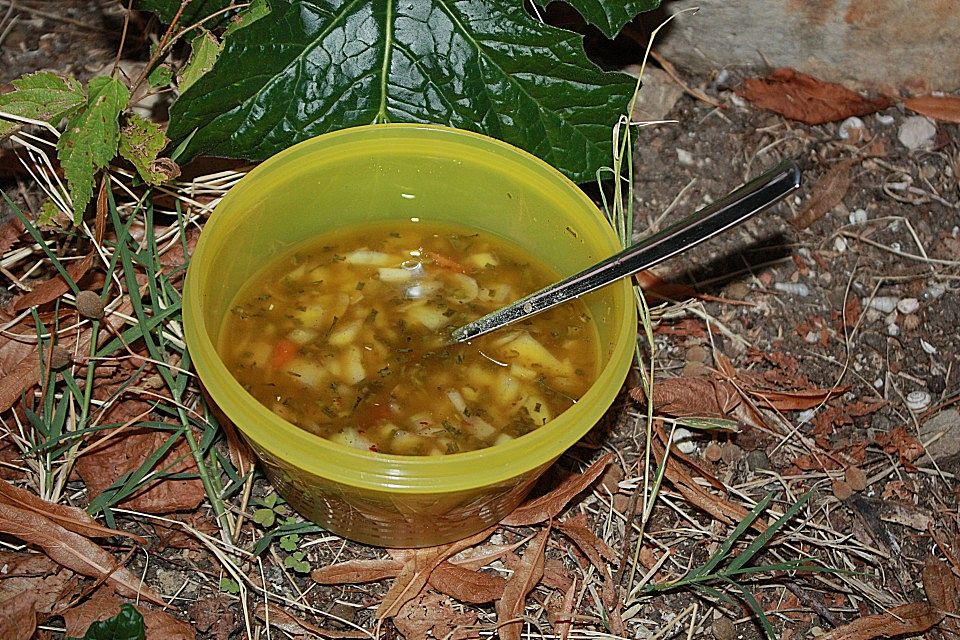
(394, 473)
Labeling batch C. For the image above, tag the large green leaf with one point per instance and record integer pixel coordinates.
(195, 11)
(609, 15)
(313, 66)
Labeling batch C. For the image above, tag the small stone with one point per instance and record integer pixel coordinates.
(854, 130)
(941, 434)
(928, 348)
(60, 357)
(839, 244)
(684, 157)
(683, 440)
(89, 305)
(812, 337)
(713, 452)
(893, 330)
(934, 291)
(885, 119)
(858, 216)
(757, 460)
(730, 453)
(792, 288)
(917, 132)
(724, 629)
(908, 305)
(883, 304)
(918, 400)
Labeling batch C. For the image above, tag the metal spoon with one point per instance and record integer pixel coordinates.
(760, 193)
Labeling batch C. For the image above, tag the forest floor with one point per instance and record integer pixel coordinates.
(825, 330)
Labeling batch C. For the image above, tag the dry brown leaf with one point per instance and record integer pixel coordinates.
(907, 447)
(825, 194)
(10, 232)
(295, 626)
(943, 108)
(579, 531)
(73, 551)
(525, 577)
(214, 617)
(44, 292)
(550, 504)
(72, 518)
(101, 467)
(158, 625)
(907, 619)
(685, 397)
(417, 569)
(562, 625)
(798, 96)
(795, 400)
(357, 571)
(33, 573)
(18, 617)
(18, 378)
(940, 585)
(467, 585)
(432, 615)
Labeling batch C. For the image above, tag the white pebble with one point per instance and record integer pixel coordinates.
(884, 304)
(858, 216)
(806, 416)
(684, 157)
(852, 127)
(918, 400)
(917, 132)
(908, 305)
(792, 288)
(928, 348)
(883, 118)
(839, 244)
(878, 383)
(934, 291)
(812, 337)
(893, 329)
(683, 440)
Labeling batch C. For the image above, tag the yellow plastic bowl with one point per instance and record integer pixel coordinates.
(395, 172)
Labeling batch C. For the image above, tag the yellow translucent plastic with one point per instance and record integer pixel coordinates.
(384, 172)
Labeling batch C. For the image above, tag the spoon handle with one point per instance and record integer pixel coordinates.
(760, 193)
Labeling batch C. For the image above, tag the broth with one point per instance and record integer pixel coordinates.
(345, 337)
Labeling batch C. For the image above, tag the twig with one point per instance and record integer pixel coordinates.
(693, 91)
(814, 604)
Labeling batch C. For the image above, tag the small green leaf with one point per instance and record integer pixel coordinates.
(256, 10)
(289, 542)
(126, 625)
(270, 500)
(91, 138)
(229, 586)
(297, 562)
(49, 212)
(42, 96)
(140, 142)
(161, 76)
(204, 50)
(264, 517)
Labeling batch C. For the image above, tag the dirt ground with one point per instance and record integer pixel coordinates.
(825, 328)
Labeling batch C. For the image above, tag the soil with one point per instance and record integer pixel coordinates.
(862, 300)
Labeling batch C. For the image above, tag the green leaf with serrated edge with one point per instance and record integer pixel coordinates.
(91, 138)
(609, 15)
(126, 625)
(313, 66)
(42, 96)
(195, 11)
(204, 50)
(161, 76)
(140, 143)
(49, 212)
(256, 10)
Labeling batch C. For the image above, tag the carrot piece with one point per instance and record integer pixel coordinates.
(444, 262)
(283, 352)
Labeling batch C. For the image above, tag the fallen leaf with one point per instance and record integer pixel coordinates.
(73, 551)
(801, 97)
(19, 377)
(417, 569)
(565, 619)
(33, 573)
(907, 619)
(357, 571)
(44, 292)
(825, 194)
(943, 108)
(71, 518)
(940, 585)
(689, 397)
(277, 617)
(578, 530)
(901, 443)
(550, 504)
(432, 615)
(214, 617)
(158, 625)
(525, 577)
(467, 585)
(109, 462)
(795, 400)
(18, 617)
(10, 232)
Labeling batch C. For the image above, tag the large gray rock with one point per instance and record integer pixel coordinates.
(883, 44)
